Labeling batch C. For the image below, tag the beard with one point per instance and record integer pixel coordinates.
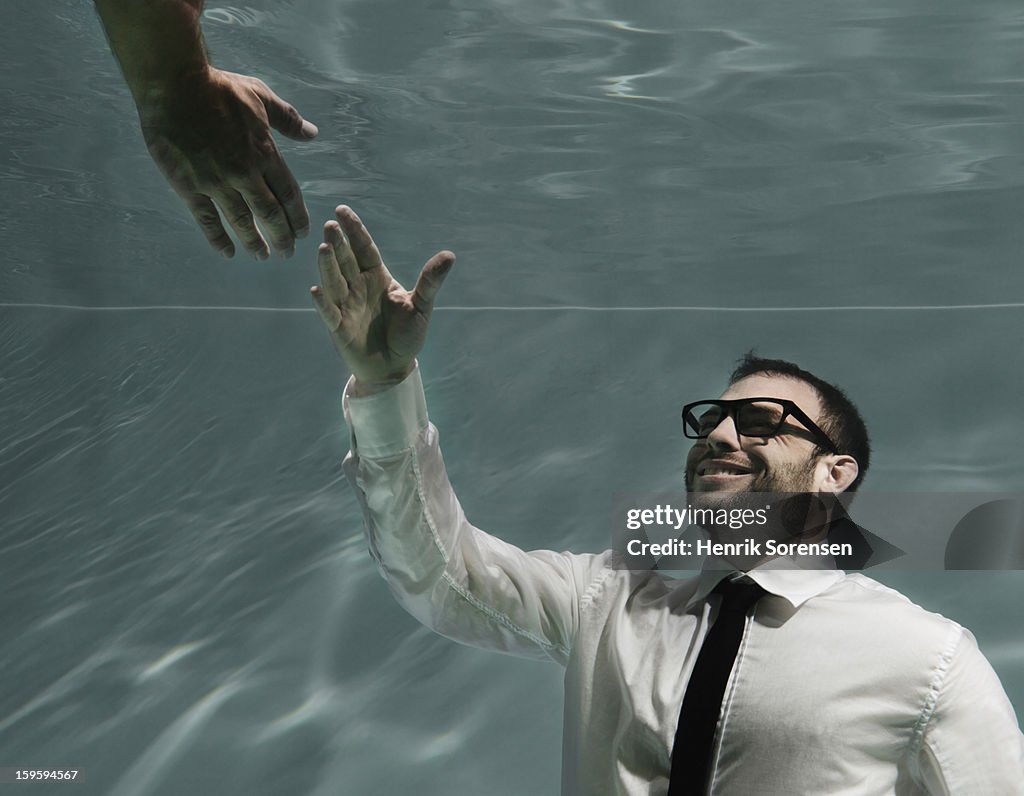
(788, 488)
(787, 477)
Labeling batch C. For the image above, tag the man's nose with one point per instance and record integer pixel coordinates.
(725, 436)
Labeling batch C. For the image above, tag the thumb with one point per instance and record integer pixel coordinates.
(286, 120)
(430, 279)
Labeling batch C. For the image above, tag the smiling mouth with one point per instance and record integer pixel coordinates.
(715, 478)
(722, 470)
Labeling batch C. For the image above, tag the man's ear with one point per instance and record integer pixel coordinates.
(842, 471)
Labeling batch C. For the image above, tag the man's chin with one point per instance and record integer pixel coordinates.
(724, 482)
(717, 497)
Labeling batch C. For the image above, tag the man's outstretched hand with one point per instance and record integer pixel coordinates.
(211, 137)
(376, 325)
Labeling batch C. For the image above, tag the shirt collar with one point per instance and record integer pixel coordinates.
(794, 579)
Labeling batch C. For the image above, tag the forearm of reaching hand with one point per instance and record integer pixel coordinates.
(158, 43)
(453, 577)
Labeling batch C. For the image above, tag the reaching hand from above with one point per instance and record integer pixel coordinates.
(211, 137)
(376, 325)
(208, 130)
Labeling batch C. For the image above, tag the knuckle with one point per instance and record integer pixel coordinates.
(241, 218)
(208, 221)
(348, 262)
(289, 194)
(265, 151)
(271, 211)
(200, 209)
(210, 225)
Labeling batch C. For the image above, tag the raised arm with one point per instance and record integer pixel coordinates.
(453, 577)
(209, 130)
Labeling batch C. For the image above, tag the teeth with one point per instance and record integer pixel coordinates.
(722, 471)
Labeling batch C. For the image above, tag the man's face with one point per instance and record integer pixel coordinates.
(726, 463)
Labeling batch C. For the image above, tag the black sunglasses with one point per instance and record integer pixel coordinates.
(754, 417)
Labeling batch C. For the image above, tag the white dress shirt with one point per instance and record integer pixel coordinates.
(840, 686)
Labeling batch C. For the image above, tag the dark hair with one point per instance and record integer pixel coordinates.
(840, 419)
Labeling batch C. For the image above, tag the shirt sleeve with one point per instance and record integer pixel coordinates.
(972, 745)
(451, 576)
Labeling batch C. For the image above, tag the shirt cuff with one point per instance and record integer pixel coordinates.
(387, 422)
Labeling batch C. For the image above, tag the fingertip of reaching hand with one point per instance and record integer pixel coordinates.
(443, 261)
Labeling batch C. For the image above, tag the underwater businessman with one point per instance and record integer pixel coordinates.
(822, 682)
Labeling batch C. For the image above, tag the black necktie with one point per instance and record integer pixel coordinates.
(698, 717)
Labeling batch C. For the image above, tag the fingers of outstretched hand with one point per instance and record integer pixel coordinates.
(327, 309)
(270, 213)
(366, 253)
(239, 216)
(335, 286)
(284, 118)
(430, 280)
(283, 185)
(205, 213)
(339, 244)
